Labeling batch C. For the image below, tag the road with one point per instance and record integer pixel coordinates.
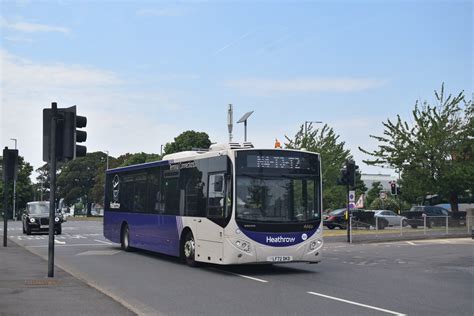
(429, 277)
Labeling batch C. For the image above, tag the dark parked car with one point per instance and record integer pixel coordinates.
(360, 218)
(36, 218)
(335, 219)
(435, 216)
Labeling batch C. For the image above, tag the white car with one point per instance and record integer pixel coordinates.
(392, 218)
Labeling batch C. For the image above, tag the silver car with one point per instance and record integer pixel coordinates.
(392, 218)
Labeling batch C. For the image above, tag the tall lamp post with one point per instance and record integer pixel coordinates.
(14, 186)
(107, 161)
(244, 119)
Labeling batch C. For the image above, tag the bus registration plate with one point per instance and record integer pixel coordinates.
(280, 258)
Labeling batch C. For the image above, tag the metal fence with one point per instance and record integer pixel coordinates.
(382, 228)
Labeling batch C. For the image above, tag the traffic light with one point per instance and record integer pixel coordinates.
(393, 188)
(47, 134)
(342, 180)
(71, 136)
(10, 164)
(66, 134)
(351, 172)
(347, 174)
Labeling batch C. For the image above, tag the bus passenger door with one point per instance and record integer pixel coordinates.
(209, 235)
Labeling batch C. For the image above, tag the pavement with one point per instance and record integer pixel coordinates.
(25, 288)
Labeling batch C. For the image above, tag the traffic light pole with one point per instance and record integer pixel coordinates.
(52, 195)
(348, 216)
(5, 210)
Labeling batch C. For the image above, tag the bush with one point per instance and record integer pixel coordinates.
(386, 204)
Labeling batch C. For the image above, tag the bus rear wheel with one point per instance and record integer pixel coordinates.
(189, 250)
(125, 238)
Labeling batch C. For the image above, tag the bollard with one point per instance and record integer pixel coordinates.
(350, 229)
(401, 226)
(376, 226)
(447, 231)
(424, 224)
(472, 230)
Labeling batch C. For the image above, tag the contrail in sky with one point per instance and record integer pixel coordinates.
(231, 43)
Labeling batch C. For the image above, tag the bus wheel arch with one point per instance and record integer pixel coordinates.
(188, 247)
(125, 237)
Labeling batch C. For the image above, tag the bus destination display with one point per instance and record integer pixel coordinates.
(276, 162)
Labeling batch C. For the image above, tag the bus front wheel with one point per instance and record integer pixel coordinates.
(189, 250)
(125, 240)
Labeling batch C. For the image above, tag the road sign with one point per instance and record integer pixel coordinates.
(352, 196)
(351, 199)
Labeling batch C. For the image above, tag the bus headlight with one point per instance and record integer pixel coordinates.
(32, 220)
(243, 245)
(56, 219)
(314, 244)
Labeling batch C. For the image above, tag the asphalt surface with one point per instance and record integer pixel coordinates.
(425, 277)
(25, 289)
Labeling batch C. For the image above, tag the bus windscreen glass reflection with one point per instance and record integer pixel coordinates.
(276, 199)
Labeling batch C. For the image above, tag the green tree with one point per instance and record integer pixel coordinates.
(384, 204)
(435, 152)
(97, 191)
(24, 186)
(333, 157)
(78, 177)
(188, 140)
(134, 159)
(42, 184)
(374, 192)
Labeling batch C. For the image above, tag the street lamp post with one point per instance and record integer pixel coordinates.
(14, 186)
(107, 161)
(243, 119)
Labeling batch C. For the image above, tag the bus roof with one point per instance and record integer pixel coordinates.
(214, 150)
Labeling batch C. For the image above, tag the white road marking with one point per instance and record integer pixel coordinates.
(411, 243)
(241, 275)
(70, 245)
(358, 304)
(105, 242)
(59, 242)
(249, 277)
(98, 253)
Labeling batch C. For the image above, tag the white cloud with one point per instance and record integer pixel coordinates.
(18, 39)
(120, 118)
(265, 87)
(170, 12)
(33, 27)
(17, 71)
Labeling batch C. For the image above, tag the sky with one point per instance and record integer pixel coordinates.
(143, 72)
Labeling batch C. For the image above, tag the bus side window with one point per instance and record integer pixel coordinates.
(193, 191)
(228, 196)
(126, 193)
(155, 200)
(216, 196)
(170, 187)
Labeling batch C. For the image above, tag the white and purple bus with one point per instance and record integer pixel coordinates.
(232, 204)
